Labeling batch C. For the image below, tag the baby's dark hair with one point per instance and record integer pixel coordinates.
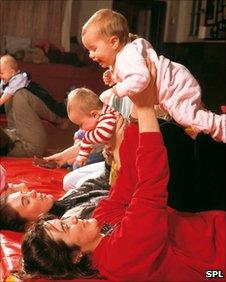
(10, 219)
(85, 99)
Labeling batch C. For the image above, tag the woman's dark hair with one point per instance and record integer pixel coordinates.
(44, 257)
(10, 219)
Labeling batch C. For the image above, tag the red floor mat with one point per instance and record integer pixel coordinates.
(41, 179)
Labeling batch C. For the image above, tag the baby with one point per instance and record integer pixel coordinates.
(11, 78)
(97, 120)
(106, 36)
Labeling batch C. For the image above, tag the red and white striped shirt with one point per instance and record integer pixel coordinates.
(101, 134)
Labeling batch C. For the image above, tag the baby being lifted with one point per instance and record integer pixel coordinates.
(97, 120)
(106, 36)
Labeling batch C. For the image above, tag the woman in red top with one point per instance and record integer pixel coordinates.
(133, 235)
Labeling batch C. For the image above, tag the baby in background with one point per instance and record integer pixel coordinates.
(97, 120)
(106, 36)
(12, 78)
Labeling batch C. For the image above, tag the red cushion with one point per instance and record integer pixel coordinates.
(41, 179)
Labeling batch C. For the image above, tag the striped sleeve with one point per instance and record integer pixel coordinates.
(100, 135)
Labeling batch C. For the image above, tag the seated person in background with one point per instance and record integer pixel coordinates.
(98, 120)
(106, 36)
(132, 236)
(11, 78)
(26, 103)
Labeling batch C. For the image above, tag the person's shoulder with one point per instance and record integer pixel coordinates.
(18, 81)
(20, 76)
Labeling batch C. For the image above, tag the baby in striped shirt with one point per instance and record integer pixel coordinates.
(97, 120)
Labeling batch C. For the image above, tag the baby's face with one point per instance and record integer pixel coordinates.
(102, 50)
(6, 72)
(83, 120)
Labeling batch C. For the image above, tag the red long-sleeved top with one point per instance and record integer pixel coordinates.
(149, 241)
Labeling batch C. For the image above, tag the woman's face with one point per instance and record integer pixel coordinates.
(84, 233)
(30, 204)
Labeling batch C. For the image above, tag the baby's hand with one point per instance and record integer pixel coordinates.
(107, 78)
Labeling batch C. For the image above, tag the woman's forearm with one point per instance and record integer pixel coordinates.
(147, 120)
